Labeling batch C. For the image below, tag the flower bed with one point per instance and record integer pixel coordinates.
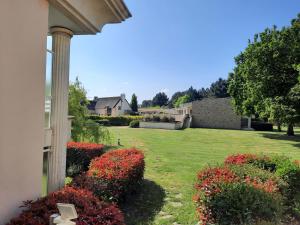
(249, 189)
(89, 208)
(114, 174)
(79, 156)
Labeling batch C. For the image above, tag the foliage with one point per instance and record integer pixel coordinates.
(114, 121)
(89, 208)
(79, 156)
(281, 166)
(265, 79)
(114, 174)
(181, 100)
(159, 118)
(77, 107)
(147, 104)
(160, 99)
(134, 103)
(219, 88)
(261, 126)
(223, 197)
(134, 124)
(82, 128)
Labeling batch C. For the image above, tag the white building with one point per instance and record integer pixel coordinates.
(24, 141)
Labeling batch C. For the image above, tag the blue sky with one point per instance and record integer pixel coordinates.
(170, 45)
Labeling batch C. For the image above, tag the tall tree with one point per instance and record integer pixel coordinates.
(160, 99)
(134, 103)
(265, 79)
(219, 88)
(84, 129)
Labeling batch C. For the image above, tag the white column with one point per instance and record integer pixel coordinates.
(61, 38)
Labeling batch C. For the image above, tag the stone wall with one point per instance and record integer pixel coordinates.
(215, 113)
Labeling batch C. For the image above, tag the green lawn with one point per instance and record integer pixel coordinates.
(173, 159)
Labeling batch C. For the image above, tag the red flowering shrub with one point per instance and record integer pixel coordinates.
(79, 156)
(225, 197)
(89, 208)
(114, 174)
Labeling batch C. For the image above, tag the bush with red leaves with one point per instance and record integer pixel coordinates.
(114, 174)
(226, 197)
(261, 161)
(79, 156)
(91, 211)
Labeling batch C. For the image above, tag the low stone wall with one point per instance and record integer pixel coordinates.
(160, 125)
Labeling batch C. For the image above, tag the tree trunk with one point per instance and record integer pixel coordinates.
(279, 127)
(290, 130)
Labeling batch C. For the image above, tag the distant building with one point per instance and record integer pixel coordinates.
(212, 113)
(110, 106)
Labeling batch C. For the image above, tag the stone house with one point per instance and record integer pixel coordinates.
(110, 106)
(212, 113)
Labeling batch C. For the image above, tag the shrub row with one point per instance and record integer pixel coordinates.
(247, 189)
(114, 174)
(159, 118)
(89, 208)
(79, 156)
(261, 126)
(114, 121)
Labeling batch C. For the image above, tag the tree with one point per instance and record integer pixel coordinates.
(181, 100)
(146, 103)
(175, 97)
(160, 99)
(84, 129)
(134, 103)
(218, 89)
(265, 79)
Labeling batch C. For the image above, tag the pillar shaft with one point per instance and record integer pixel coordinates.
(61, 39)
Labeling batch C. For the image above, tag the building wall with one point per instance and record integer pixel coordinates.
(24, 27)
(124, 108)
(215, 113)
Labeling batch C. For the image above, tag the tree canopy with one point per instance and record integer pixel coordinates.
(265, 79)
(160, 99)
(84, 129)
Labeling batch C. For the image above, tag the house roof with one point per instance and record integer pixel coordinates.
(91, 105)
(110, 102)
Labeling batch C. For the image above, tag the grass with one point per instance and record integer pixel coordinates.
(173, 159)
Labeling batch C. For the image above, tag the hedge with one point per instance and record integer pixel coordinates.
(261, 126)
(223, 198)
(114, 121)
(114, 174)
(89, 208)
(79, 156)
(249, 189)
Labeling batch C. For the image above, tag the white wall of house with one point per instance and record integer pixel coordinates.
(24, 27)
(121, 108)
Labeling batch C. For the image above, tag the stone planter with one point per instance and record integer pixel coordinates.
(161, 125)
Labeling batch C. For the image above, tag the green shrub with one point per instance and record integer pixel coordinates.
(238, 194)
(114, 120)
(240, 203)
(134, 124)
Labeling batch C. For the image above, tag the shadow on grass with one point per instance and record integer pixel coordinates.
(141, 208)
(283, 137)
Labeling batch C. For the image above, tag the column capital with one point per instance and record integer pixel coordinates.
(61, 30)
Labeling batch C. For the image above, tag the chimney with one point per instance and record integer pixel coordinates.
(123, 97)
